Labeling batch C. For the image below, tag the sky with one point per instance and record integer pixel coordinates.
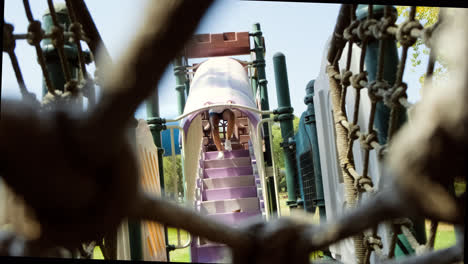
(298, 30)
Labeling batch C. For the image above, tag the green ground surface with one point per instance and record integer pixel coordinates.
(178, 255)
(445, 236)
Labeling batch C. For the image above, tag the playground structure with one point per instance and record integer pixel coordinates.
(328, 145)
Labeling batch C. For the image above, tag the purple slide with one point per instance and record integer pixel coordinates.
(230, 194)
(229, 188)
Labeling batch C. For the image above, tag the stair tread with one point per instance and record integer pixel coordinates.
(211, 244)
(231, 188)
(233, 162)
(228, 168)
(232, 181)
(248, 204)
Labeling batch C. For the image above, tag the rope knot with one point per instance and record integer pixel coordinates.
(360, 182)
(364, 29)
(352, 132)
(348, 32)
(357, 78)
(380, 31)
(72, 86)
(403, 34)
(35, 33)
(9, 42)
(372, 241)
(345, 78)
(376, 89)
(367, 139)
(77, 30)
(57, 36)
(393, 97)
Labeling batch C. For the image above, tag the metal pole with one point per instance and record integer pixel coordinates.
(382, 114)
(286, 123)
(259, 64)
(309, 119)
(254, 83)
(156, 125)
(179, 72)
(51, 56)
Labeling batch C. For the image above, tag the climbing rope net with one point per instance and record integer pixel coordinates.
(89, 169)
(59, 37)
(351, 31)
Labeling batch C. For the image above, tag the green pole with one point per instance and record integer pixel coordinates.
(179, 72)
(51, 56)
(254, 83)
(156, 124)
(259, 63)
(286, 118)
(311, 121)
(382, 114)
(182, 88)
(187, 80)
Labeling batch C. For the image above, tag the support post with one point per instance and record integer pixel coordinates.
(310, 120)
(51, 55)
(254, 84)
(382, 114)
(286, 117)
(259, 64)
(179, 72)
(182, 88)
(156, 125)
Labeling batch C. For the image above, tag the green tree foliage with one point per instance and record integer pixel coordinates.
(427, 16)
(278, 155)
(173, 175)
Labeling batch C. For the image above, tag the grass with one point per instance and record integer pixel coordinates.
(178, 255)
(97, 254)
(445, 236)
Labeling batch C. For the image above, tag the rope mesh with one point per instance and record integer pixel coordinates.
(59, 37)
(393, 96)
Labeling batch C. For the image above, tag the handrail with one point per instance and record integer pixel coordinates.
(171, 128)
(263, 173)
(263, 176)
(275, 175)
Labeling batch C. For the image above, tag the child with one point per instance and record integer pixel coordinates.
(230, 117)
